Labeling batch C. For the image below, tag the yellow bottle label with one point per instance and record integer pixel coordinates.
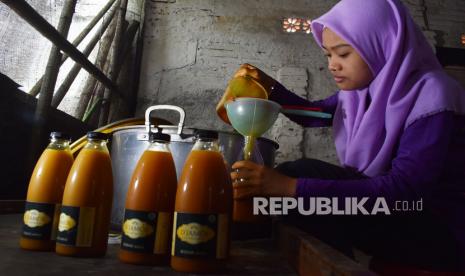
(39, 221)
(135, 229)
(162, 238)
(146, 232)
(56, 220)
(194, 233)
(66, 223)
(200, 235)
(76, 226)
(86, 223)
(34, 218)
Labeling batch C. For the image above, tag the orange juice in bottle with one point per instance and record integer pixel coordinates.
(44, 194)
(87, 199)
(148, 217)
(201, 227)
(243, 208)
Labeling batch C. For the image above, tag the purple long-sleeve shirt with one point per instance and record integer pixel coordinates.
(429, 164)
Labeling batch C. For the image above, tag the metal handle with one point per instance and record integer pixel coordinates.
(182, 116)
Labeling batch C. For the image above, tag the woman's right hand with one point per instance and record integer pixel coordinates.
(246, 70)
(251, 179)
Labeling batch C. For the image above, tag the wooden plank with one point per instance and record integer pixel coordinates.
(89, 93)
(119, 105)
(11, 206)
(310, 256)
(116, 52)
(53, 63)
(52, 69)
(255, 257)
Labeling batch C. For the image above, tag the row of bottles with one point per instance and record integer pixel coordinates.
(185, 223)
(70, 202)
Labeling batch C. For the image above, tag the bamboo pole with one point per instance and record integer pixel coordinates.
(127, 44)
(113, 64)
(132, 99)
(93, 115)
(102, 55)
(127, 40)
(53, 64)
(64, 87)
(51, 72)
(25, 11)
(95, 20)
(36, 88)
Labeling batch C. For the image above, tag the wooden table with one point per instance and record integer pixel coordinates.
(310, 256)
(255, 257)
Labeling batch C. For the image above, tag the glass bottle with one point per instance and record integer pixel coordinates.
(202, 218)
(87, 200)
(243, 208)
(44, 195)
(148, 218)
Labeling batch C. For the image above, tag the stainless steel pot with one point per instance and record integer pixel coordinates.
(128, 144)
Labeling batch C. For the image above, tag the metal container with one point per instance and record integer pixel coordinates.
(128, 144)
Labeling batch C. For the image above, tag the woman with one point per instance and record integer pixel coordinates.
(399, 130)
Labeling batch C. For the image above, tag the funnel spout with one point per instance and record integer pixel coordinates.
(248, 148)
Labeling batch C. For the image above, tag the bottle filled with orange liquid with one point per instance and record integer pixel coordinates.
(243, 208)
(87, 200)
(202, 218)
(43, 202)
(148, 217)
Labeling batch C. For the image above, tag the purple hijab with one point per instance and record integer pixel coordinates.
(408, 83)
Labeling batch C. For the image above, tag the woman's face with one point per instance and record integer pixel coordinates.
(347, 67)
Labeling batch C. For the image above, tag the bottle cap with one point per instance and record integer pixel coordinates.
(158, 136)
(60, 135)
(205, 134)
(94, 135)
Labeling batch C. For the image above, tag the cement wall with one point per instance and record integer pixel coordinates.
(192, 48)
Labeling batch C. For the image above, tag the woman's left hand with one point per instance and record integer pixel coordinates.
(250, 179)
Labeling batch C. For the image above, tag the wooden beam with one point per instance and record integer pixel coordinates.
(41, 115)
(128, 39)
(96, 19)
(25, 11)
(310, 256)
(53, 64)
(127, 43)
(89, 87)
(92, 116)
(36, 88)
(132, 100)
(116, 49)
(12, 206)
